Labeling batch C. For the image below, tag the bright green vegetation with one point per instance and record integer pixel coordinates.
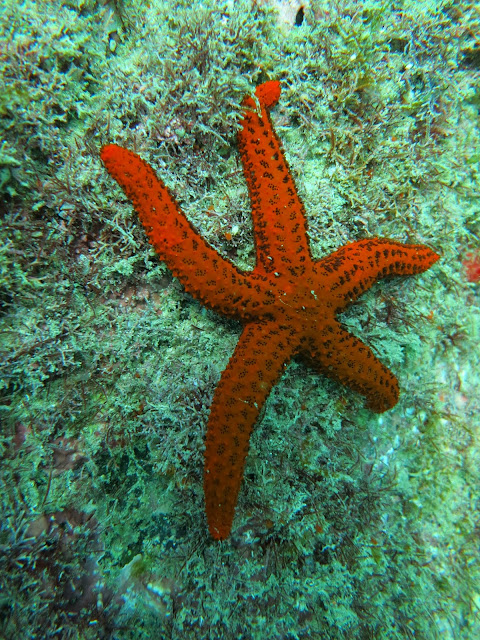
(349, 525)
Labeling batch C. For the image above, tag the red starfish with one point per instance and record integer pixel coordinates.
(288, 304)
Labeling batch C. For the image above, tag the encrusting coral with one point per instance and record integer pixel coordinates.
(288, 304)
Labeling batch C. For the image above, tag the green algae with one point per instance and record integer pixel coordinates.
(349, 525)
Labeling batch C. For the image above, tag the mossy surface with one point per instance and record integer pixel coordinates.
(349, 525)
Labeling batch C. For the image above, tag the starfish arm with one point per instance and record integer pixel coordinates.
(256, 365)
(207, 276)
(340, 355)
(354, 268)
(277, 212)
